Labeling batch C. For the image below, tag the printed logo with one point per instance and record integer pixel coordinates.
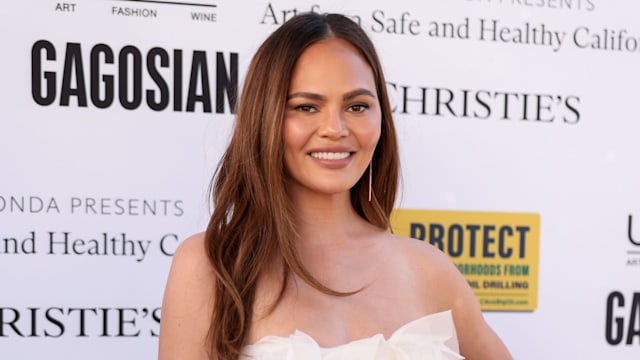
(156, 78)
(55, 322)
(513, 105)
(623, 319)
(579, 5)
(200, 11)
(497, 253)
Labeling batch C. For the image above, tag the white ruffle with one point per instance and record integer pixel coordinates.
(432, 337)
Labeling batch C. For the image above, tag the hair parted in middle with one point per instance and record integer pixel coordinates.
(252, 224)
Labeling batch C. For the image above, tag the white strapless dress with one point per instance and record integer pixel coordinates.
(432, 337)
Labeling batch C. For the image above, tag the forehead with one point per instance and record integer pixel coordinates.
(332, 64)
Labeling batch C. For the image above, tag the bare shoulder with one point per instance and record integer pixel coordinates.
(187, 303)
(443, 287)
(436, 278)
(430, 263)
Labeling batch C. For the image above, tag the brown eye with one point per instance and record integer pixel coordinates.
(358, 108)
(306, 108)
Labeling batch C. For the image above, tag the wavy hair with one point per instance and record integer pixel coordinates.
(253, 221)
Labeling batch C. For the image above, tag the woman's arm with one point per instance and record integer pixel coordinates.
(187, 304)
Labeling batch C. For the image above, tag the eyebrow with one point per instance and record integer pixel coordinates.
(346, 96)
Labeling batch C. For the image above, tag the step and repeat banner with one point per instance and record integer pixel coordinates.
(519, 135)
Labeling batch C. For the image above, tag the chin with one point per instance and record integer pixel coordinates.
(333, 190)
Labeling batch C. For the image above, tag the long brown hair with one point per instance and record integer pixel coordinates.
(253, 222)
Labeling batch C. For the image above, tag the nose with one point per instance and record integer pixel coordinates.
(333, 126)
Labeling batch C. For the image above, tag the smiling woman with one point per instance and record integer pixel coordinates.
(332, 121)
(298, 261)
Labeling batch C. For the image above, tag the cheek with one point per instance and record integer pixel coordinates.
(289, 151)
(371, 134)
(293, 135)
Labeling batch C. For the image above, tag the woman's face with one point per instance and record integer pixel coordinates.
(332, 119)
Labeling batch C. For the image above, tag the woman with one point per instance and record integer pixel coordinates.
(297, 261)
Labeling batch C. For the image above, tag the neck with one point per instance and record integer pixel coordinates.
(327, 220)
(336, 245)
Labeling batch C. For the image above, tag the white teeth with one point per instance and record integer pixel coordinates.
(330, 155)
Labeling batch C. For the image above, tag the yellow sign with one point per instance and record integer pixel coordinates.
(497, 253)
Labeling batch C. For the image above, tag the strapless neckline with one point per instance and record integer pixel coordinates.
(304, 334)
(432, 334)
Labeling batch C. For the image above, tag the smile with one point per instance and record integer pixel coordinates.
(330, 155)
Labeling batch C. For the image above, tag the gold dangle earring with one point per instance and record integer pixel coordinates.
(370, 179)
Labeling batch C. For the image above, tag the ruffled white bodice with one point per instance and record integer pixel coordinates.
(432, 337)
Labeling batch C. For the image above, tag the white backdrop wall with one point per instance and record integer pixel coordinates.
(114, 114)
